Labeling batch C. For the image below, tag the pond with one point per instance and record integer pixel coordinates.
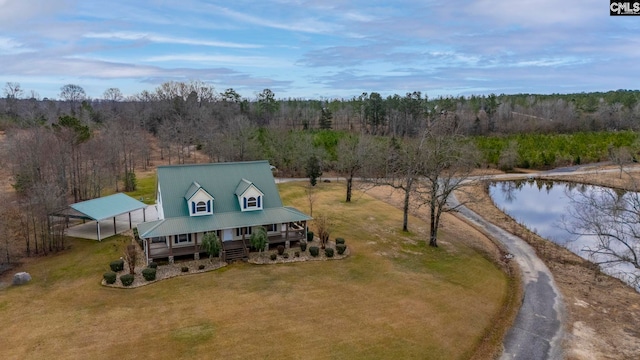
(546, 208)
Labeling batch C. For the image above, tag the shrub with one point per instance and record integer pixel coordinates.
(285, 255)
(184, 269)
(126, 279)
(303, 245)
(273, 256)
(201, 267)
(339, 241)
(211, 244)
(340, 248)
(329, 252)
(149, 274)
(309, 236)
(296, 254)
(109, 277)
(117, 265)
(314, 251)
(153, 265)
(280, 249)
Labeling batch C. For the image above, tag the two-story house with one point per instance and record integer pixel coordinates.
(231, 199)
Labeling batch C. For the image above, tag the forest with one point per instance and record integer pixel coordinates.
(60, 151)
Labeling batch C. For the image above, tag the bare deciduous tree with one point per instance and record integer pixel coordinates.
(323, 227)
(611, 219)
(131, 257)
(621, 157)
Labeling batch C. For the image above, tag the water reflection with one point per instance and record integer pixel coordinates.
(546, 207)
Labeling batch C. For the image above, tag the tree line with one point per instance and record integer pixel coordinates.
(76, 148)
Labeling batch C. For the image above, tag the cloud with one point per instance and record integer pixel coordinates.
(244, 61)
(10, 46)
(305, 24)
(22, 13)
(126, 35)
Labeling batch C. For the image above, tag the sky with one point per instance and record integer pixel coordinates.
(319, 49)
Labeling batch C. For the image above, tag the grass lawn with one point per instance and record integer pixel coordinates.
(393, 298)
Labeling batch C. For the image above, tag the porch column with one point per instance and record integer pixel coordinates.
(196, 253)
(171, 248)
(147, 249)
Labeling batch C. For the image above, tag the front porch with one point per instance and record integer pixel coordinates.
(231, 249)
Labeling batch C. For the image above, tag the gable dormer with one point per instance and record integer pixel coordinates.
(249, 196)
(199, 201)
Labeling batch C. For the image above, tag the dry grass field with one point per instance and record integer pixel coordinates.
(393, 298)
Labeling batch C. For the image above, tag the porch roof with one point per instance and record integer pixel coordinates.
(228, 220)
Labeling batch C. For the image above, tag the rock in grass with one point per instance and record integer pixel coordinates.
(21, 278)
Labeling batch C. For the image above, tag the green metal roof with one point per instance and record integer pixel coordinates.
(220, 180)
(242, 187)
(192, 190)
(219, 221)
(108, 206)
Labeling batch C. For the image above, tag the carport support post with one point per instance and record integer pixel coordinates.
(98, 227)
(130, 227)
(115, 231)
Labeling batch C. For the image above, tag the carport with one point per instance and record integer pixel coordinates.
(103, 209)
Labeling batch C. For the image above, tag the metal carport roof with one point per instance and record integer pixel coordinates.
(103, 208)
(108, 206)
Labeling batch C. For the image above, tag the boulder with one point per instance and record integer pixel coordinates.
(21, 278)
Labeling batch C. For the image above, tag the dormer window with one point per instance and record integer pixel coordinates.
(253, 202)
(249, 196)
(199, 201)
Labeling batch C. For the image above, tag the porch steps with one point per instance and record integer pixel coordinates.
(233, 250)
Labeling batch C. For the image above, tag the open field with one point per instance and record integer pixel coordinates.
(394, 297)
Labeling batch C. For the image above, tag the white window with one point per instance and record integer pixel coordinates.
(247, 231)
(252, 202)
(182, 238)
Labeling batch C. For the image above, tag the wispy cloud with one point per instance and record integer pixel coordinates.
(306, 24)
(10, 46)
(135, 36)
(251, 61)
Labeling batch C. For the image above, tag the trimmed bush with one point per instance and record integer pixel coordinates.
(149, 274)
(340, 248)
(117, 265)
(280, 249)
(285, 255)
(184, 269)
(309, 236)
(126, 279)
(314, 251)
(339, 241)
(201, 267)
(329, 252)
(153, 265)
(110, 277)
(303, 245)
(296, 254)
(273, 257)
